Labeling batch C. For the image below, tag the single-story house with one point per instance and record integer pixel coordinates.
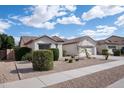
(113, 42)
(76, 46)
(43, 42)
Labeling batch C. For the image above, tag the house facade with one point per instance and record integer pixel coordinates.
(43, 42)
(111, 43)
(76, 46)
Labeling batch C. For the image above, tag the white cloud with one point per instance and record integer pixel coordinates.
(58, 34)
(25, 33)
(42, 15)
(4, 26)
(102, 11)
(71, 7)
(14, 17)
(17, 39)
(100, 32)
(46, 25)
(70, 20)
(120, 21)
(63, 37)
(72, 37)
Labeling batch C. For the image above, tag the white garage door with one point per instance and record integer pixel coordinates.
(82, 52)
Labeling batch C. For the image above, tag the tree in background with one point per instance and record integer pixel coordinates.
(0, 43)
(6, 42)
(3, 41)
(10, 42)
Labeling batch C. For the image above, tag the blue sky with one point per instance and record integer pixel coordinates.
(98, 22)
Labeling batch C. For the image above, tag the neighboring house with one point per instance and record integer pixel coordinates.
(113, 42)
(76, 46)
(43, 42)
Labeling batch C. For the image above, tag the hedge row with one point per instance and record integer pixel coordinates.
(20, 52)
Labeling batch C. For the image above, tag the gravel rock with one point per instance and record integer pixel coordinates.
(96, 80)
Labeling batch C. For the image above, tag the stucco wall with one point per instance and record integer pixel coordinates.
(86, 43)
(71, 49)
(101, 47)
(60, 50)
(45, 40)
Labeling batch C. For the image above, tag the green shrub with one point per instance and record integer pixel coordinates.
(70, 61)
(66, 59)
(55, 53)
(72, 56)
(20, 52)
(42, 60)
(105, 53)
(117, 52)
(77, 59)
(28, 57)
(122, 50)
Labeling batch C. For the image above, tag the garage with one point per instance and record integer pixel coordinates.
(77, 46)
(82, 53)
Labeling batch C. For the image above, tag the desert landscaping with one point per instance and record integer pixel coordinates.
(9, 72)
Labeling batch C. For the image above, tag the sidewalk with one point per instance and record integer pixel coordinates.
(47, 80)
(118, 84)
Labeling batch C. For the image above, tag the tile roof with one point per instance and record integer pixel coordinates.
(57, 39)
(28, 39)
(112, 40)
(76, 40)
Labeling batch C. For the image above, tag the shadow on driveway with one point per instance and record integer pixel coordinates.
(24, 70)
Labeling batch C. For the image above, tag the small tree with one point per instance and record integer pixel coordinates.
(87, 54)
(105, 53)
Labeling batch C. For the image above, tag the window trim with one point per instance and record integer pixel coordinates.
(44, 44)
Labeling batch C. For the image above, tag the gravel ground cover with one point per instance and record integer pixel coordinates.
(26, 70)
(6, 72)
(96, 80)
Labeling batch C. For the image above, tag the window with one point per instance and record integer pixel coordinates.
(112, 47)
(44, 46)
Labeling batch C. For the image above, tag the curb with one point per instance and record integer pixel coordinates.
(19, 74)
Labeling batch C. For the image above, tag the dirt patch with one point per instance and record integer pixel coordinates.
(27, 72)
(96, 80)
(5, 72)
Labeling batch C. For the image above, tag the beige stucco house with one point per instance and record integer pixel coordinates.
(72, 47)
(113, 42)
(43, 42)
(76, 46)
